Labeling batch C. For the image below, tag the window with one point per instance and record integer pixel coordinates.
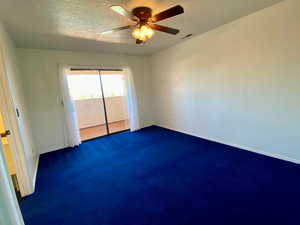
(86, 86)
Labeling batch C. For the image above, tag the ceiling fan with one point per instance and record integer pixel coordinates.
(145, 22)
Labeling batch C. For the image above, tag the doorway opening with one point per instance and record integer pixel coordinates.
(100, 99)
(8, 156)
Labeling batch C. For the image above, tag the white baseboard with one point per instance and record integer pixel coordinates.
(273, 155)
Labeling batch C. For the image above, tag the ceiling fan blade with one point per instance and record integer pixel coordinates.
(165, 29)
(174, 11)
(119, 9)
(116, 29)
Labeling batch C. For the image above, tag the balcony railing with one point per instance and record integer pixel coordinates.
(90, 112)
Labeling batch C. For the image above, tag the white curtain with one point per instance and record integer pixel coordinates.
(131, 100)
(72, 135)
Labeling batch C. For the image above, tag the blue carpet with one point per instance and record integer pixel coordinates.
(161, 177)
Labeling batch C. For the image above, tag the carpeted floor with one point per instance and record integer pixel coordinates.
(160, 177)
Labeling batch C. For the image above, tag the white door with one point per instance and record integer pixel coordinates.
(10, 213)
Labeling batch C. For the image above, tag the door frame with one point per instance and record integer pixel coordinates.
(10, 119)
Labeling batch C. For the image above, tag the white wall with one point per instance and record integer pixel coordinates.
(238, 84)
(13, 77)
(40, 76)
(90, 112)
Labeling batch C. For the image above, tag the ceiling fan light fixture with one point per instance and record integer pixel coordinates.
(136, 33)
(147, 31)
(143, 33)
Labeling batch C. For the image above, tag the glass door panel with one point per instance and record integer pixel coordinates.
(114, 89)
(86, 91)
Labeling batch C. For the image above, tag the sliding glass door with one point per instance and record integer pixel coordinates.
(100, 100)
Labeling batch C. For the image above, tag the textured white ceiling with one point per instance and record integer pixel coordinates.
(75, 24)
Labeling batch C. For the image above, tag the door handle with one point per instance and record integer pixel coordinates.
(5, 134)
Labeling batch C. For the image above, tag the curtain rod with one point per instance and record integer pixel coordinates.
(72, 69)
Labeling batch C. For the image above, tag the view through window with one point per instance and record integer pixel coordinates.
(86, 86)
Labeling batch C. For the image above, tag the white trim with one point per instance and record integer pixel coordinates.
(273, 155)
(55, 148)
(35, 172)
(11, 122)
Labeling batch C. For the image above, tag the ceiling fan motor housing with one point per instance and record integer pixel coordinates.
(143, 13)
